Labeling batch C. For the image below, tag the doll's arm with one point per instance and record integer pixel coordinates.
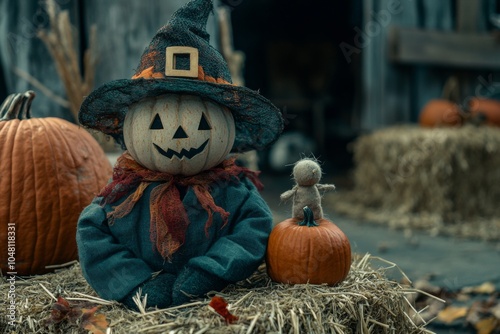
(325, 187)
(289, 193)
(109, 267)
(233, 257)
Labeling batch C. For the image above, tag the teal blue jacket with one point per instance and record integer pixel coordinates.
(117, 259)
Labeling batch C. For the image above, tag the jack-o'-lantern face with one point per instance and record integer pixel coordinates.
(178, 134)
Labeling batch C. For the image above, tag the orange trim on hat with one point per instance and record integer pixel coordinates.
(203, 77)
(149, 74)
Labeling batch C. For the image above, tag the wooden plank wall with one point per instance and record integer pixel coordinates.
(125, 28)
(390, 93)
(19, 47)
(394, 93)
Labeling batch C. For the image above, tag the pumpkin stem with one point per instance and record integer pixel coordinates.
(308, 218)
(17, 106)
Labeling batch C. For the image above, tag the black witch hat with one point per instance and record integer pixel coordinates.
(180, 60)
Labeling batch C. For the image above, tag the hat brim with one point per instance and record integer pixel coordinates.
(258, 122)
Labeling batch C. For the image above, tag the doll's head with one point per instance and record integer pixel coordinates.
(178, 134)
(307, 172)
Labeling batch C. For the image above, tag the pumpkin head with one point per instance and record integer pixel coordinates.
(308, 251)
(50, 169)
(178, 134)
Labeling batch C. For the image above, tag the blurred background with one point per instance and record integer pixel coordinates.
(337, 69)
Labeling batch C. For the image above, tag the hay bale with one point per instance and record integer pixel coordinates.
(445, 180)
(366, 302)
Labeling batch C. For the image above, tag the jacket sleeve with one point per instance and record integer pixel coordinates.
(109, 267)
(235, 256)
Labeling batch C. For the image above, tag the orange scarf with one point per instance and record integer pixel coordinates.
(169, 219)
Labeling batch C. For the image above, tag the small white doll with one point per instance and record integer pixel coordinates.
(306, 192)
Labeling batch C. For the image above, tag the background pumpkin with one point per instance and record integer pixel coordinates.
(440, 112)
(308, 251)
(444, 111)
(181, 123)
(449, 111)
(50, 169)
(489, 108)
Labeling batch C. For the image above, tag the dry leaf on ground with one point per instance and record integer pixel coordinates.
(452, 313)
(486, 288)
(62, 311)
(487, 325)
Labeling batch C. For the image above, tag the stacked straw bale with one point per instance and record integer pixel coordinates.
(366, 302)
(445, 180)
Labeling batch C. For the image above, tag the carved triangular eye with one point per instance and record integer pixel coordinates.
(156, 124)
(204, 123)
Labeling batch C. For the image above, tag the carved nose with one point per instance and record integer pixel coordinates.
(180, 133)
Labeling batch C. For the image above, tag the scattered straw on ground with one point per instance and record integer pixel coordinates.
(366, 302)
(443, 180)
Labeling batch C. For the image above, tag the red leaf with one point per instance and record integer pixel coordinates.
(61, 310)
(219, 304)
(62, 302)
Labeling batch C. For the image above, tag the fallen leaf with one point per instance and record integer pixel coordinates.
(432, 309)
(495, 310)
(97, 324)
(463, 297)
(486, 326)
(452, 313)
(219, 305)
(61, 310)
(486, 288)
(475, 313)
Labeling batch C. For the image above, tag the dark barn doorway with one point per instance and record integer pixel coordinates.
(293, 57)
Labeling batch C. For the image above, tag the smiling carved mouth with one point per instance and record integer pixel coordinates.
(183, 153)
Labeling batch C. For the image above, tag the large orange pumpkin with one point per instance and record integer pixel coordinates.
(308, 251)
(50, 169)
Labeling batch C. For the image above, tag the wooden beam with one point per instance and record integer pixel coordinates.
(467, 15)
(462, 50)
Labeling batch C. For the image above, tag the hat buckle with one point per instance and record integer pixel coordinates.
(171, 54)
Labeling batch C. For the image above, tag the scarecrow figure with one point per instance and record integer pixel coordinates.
(306, 192)
(178, 219)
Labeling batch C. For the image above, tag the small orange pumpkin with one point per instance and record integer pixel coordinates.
(50, 169)
(440, 112)
(488, 108)
(308, 251)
